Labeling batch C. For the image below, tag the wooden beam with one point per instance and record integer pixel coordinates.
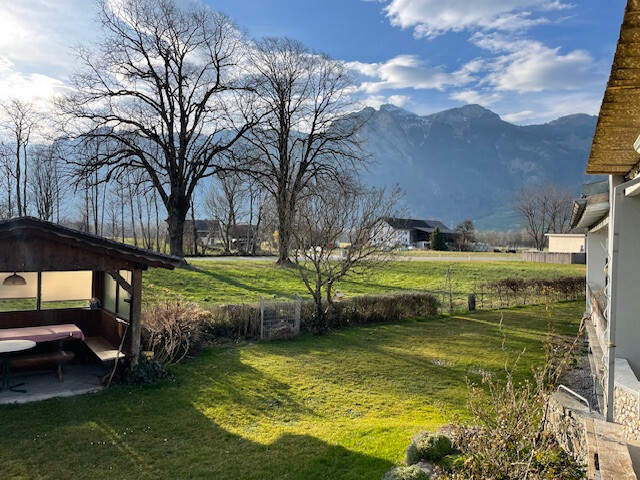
(121, 281)
(135, 316)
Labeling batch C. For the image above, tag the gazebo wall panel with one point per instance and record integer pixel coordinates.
(37, 254)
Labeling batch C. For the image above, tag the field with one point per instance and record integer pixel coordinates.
(339, 406)
(233, 281)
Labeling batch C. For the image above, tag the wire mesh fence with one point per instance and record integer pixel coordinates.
(509, 293)
(280, 318)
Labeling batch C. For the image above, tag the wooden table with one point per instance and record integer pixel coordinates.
(7, 348)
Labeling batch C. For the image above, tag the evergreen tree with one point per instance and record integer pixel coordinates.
(437, 240)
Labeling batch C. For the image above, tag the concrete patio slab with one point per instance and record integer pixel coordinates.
(78, 380)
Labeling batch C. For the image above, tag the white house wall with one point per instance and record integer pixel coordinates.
(567, 243)
(597, 245)
(624, 242)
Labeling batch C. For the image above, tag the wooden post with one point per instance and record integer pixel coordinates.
(135, 316)
(472, 302)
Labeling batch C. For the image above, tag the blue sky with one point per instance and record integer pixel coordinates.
(528, 60)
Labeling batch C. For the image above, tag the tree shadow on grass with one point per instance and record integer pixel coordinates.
(228, 280)
(222, 423)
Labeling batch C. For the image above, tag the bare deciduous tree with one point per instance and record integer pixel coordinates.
(544, 208)
(160, 89)
(339, 234)
(304, 136)
(222, 203)
(46, 182)
(466, 234)
(19, 121)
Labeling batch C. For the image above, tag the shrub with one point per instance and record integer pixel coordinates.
(171, 329)
(234, 322)
(373, 309)
(509, 436)
(426, 446)
(451, 462)
(148, 370)
(243, 321)
(512, 291)
(412, 472)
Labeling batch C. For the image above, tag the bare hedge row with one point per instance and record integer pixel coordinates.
(243, 321)
(172, 329)
(519, 291)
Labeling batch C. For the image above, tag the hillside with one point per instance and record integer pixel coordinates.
(466, 162)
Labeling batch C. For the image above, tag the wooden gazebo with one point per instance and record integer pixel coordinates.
(53, 275)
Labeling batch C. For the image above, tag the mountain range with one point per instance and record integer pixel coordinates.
(467, 162)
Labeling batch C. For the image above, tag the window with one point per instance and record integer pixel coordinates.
(116, 299)
(19, 297)
(45, 290)
(110, 293)
(65, 289)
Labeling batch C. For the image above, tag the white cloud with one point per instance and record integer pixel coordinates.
(530, 66)
(43, 32)
(430, 18)
(521, 116)
(473, 96)
(376, 101)
(516, 108)
(409, 71)
(36, 45)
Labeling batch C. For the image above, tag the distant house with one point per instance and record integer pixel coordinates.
(408, 231)
(567, 242)
(210, 233)
(205, 230)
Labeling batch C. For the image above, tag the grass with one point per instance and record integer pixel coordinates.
(219, 282)
(340, 406)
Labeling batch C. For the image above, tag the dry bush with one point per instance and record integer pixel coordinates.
(234, 322)
(519, 291)
(508, 438)
(372, 309)
(172, 328)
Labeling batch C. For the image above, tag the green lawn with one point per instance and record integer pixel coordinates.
(219, 282)
(339, 406)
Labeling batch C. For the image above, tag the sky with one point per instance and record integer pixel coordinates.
(530, 61)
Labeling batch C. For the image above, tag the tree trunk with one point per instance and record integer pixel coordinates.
(284, 234)
(24, 181)
(18, 184)
(319, 316)
(176, 214)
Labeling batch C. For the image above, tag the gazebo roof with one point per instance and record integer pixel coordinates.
(612, 151)
(28, 243)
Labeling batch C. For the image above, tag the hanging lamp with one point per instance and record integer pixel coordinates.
(14, 280)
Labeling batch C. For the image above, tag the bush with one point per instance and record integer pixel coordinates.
(234, 322)
(172, 329)
(412, 472)
(509, 436)
(513, 291)
(148, 370)
(243, 321)
(426, 446)
(373, 309)
(451, 462)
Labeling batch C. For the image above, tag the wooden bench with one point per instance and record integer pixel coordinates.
(55, 359)
(102, 349)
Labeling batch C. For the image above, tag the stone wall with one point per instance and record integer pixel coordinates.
(568, 428)
(625, 412)
(626, 400)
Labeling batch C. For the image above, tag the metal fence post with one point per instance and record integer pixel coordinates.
(261, 317)
(298, 310)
